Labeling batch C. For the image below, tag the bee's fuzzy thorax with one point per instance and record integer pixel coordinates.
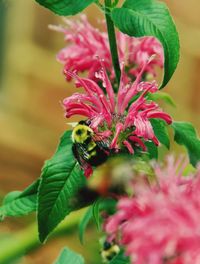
(80, 133)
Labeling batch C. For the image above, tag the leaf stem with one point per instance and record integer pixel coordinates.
(112, 40)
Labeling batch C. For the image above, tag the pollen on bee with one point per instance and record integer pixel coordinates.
(91, 145)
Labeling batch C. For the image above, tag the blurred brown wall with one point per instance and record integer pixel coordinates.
(185, 84)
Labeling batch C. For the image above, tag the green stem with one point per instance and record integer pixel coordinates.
(26, 240)
(99, 5)
(112, 41)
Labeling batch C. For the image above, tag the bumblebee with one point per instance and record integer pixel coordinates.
(110, 250)
(88, 148)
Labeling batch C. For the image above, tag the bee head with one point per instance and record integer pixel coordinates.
(85, 122)
(81, 133)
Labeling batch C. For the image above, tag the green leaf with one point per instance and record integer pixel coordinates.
(84, 223)
(31, 189)
(114, 3)
(19, 206)
(61, 181)
(65, 7)
(140, 18)
(103, 204)
(68, 256)
(185, 134)
(161, 96)
(11, 196)
(161, 132)
(152, 150)
(109, 205)
(120, 259)
(96, 212)
(18, 203)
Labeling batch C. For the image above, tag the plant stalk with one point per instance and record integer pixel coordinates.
(112, 41)
(27, 240)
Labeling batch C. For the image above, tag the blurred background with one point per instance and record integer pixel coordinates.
(32, 86)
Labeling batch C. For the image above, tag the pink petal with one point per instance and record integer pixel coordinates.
(138, 141)
(119, 128)
(129, 147)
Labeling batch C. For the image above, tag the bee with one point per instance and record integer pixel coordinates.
(88, 148)
(110, 250)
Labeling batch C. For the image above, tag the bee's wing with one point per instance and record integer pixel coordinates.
(82, 156)
(102, 143)
(80, 152)
(83, 151)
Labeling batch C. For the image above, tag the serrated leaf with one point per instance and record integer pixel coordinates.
(140, 18)
(11, 196)
(68, 256)
(185, 134)
(18, 203)
(161, 132)
(120, 259)
(84, 223)
(19, 207)
(61, 180)
(65, 7)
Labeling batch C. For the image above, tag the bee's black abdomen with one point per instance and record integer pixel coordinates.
(74, 151)
(99, 158)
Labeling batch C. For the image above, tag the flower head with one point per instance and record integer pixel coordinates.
(140, 50)
(123, 119)
(85, 43)
(160, 224)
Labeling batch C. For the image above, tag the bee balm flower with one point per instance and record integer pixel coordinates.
(124, 119)
(160, 224)
(85, 43)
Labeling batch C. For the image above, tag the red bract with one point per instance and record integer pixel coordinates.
(123, 118)
(161, 224)
(85, 43)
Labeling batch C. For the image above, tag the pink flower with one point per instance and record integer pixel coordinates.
(161, 224)
(124, 119)
(86, 43)
(139, 52)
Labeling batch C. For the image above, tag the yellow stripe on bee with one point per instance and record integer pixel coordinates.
(93, 153)
(110, 253)
(91, 146)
